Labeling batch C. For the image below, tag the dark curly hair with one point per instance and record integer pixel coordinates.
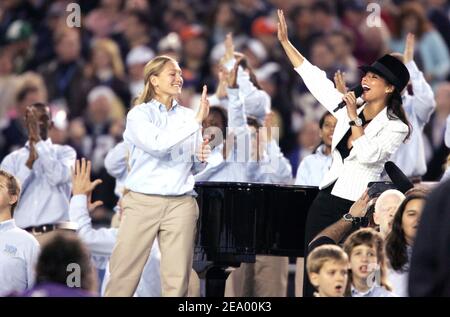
(395, 241)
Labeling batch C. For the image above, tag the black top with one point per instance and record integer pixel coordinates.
(342, 145)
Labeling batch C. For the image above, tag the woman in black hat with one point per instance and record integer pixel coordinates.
(364, 138)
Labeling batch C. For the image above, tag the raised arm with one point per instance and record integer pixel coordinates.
(314, 78)
(116, 161)
(99, 241)
(236, 113)
(147, 136)
(292, 53)
(144, 134)
(424, 103)
(274, 166)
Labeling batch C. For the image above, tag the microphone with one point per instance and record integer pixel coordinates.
(399, 179)
(358, 90)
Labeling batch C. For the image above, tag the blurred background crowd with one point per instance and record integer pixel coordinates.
(89, 75)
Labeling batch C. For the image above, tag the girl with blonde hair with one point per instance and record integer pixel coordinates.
(163, 139)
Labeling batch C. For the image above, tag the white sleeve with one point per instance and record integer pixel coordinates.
(142, 133)
(56, 164)
(423, 102)
(275, 168)
(382, 146)
(320, 86)
(116, 161)
(303, 174)
(100, 241)
(243, 79)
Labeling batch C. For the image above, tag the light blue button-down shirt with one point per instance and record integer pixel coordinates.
(101, 243)
(410, 156)
(116, 166)
(45, 189)
(221, 170)
(374, 291)
(313, 168)
(238, 166)
(162, 145)
(19, 251)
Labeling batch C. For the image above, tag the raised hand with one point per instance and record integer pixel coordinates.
(81, 182)
(292, 53)
(408, 54)
(229, 47)
(269, 124)
(203, 110)
(339, 81)
(221, 90)
(232, 76)
(282, 27)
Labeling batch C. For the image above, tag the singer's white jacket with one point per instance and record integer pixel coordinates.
(365, 163)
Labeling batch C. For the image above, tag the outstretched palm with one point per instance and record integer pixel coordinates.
(282, 27)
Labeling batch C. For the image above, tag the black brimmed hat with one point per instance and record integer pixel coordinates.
(391, 69)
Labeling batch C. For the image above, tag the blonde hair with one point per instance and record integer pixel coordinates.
(320, 255)
(13, 187)
(117, 111)
(153, 68)
(111, 48)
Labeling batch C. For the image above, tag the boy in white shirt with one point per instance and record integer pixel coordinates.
(18, 249)
(327, 268)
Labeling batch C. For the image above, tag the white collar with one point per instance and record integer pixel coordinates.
(7, 225)
(354, 291)
(48, 142)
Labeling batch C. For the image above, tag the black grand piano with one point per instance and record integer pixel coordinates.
(238, 221)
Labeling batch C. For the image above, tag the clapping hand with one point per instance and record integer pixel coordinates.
(205, 150)
(32, 125)
(203, 110)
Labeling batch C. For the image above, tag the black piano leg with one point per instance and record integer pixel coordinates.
(212, 281)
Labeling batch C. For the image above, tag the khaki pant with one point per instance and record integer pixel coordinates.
(267, 277)
(299, 276)
(173, 219)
